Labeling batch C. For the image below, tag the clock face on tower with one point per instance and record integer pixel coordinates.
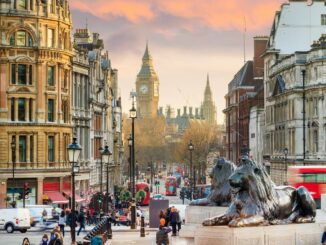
(143, 89)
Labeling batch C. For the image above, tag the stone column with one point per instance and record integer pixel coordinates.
(59, 73)
(16, 109)
(28, 5)
(3, 90)
(27, 110)
(3, 192)
(40, 113)
(28, 143)
(39, 196)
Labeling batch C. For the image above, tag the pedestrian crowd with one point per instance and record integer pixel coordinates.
(170, 217)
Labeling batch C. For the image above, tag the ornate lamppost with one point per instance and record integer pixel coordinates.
(101, 170)
(286, 151)
(130, 167)
(191, 148)
(105, 155)
(13, 152)
(74, 150)
(133, 116)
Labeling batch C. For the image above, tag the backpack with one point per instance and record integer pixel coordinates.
(96, 240)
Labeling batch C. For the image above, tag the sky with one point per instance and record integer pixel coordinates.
(188, 39)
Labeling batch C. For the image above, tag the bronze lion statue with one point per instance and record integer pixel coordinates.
(258, 201)
(220, 194)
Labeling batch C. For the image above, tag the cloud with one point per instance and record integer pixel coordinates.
(216, 14)
(132, 10)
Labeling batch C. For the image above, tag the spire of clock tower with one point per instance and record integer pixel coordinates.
(147, 87)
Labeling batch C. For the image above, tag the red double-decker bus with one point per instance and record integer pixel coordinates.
(171, 186)
(144, 186)
(311, 177)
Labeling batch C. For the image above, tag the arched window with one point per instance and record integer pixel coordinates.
(21, 38)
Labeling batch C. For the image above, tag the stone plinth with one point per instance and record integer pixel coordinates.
(294, 234)
(197, 214)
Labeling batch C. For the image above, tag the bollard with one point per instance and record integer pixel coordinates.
(109, 227)
(142, 226)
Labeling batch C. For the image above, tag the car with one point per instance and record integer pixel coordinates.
(158, 197)
(37, 210)
(15, 219)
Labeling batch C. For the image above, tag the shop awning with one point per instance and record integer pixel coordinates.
(77, 197)
(55, 196)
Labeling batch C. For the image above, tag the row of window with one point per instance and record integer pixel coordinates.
(22, 148)
(22, 74)
(314, 178)
(25, 108)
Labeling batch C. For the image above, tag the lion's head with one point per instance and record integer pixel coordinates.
(253, 178)
(221, 172)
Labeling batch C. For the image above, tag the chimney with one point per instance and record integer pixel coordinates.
(260, 43)
(185, 111)
(179, 112)
(196, 113)
(190, 112)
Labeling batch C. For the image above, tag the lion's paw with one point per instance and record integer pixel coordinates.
(236, 223)
(208, 222)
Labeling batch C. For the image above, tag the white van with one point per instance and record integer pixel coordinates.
(12, 219)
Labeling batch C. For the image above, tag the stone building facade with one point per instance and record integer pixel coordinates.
(285, 60)
(97, 109)
(35, 79)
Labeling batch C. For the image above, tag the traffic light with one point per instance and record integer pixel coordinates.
(100, 199)
(27, 190)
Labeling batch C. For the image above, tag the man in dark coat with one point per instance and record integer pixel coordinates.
(174, 221)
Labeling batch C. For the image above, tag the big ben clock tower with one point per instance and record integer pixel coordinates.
(147, 87)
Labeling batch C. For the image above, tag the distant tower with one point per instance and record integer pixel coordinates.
(147, 87)
(208, 106)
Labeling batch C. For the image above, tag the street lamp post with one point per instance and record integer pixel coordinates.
(133, 116)
(130, 164)
(13, 152)
(286, 151)
(105, 156)
(74, 150)
(101, 170)
(191, 148)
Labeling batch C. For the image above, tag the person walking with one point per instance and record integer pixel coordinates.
(173, 221)
(62, 222)
(44, 215)
(179, 221)
(81, 220)
(162, 237)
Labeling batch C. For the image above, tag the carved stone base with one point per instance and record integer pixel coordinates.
(197, 214)
(294, 234)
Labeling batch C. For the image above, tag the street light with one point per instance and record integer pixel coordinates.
(286, 151)
(191, 148)
(133, 116)
(130, 171)
(106, 153)
(74, 150)
(101, 170)
(13, 152)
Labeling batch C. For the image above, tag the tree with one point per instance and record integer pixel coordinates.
(204, 137)
(150, 143)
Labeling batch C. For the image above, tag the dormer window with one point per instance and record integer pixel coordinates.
(21, 38)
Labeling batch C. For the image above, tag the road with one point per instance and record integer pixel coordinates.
(121, 235)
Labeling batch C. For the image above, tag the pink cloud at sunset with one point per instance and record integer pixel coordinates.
(217, 14)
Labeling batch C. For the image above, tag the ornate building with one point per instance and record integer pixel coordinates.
(97, 109)
(35, 122)
(208, 106)
(295, 70)
(147, 88)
